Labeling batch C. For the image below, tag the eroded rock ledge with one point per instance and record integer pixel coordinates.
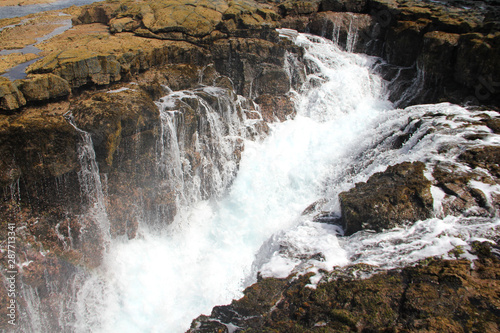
(114, 40)
(442, 51)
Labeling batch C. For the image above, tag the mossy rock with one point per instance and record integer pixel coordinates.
(79, 67)
(10, 96)
(109, 116)
(36, 144)
(44, 87)
(439, 296)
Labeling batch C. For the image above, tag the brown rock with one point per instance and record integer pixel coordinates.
(404, 42)
(487, 157)
(38, 143)
(439, 53)
(294, 7)
(355, 6)
(275, 107)
(477, 65)
(109, 116)
(399, 194)
(10, 97)
(122, 24)
(44, 87)
(241, 59)
(434, 296)
(338, 26)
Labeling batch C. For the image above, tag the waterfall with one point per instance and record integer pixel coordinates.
(95, 220)
(200, 132)
(237, 217)
(352, 35)
(350, 23)
(38, 316)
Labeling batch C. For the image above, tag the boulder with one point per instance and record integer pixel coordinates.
(459, 198)
(122, 24)
(96, 14)
(10, 96)
(44, 87)
(80, 68)
(487, 157)
(399, 194)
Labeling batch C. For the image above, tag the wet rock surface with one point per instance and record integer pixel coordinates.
(388, 199)
(408, 300)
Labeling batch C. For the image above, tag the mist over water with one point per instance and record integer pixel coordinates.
(253, 220)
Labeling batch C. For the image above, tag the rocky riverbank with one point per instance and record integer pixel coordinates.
(435, 295)
(106, 72)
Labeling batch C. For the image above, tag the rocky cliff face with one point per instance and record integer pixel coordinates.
(448, 46)
(105, 77)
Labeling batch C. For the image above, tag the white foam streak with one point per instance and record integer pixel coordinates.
(433, 237)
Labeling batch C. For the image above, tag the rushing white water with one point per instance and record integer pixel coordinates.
(344, 132)
(91, 187)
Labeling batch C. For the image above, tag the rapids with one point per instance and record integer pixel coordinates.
(238, 219)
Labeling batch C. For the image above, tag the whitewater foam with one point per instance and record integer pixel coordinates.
(345, 131)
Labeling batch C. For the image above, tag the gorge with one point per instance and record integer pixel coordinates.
(159, 164)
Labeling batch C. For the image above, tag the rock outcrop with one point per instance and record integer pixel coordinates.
(103, 76)
(411, 299)
(10, 96)
(112, 41)
(400, 194)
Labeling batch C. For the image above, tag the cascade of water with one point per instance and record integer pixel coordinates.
(201, 131)
(352, 34)
(227, 227)
(439, 137)
(336, 31)
(160, 281)
(95, 239)
(91, 187)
